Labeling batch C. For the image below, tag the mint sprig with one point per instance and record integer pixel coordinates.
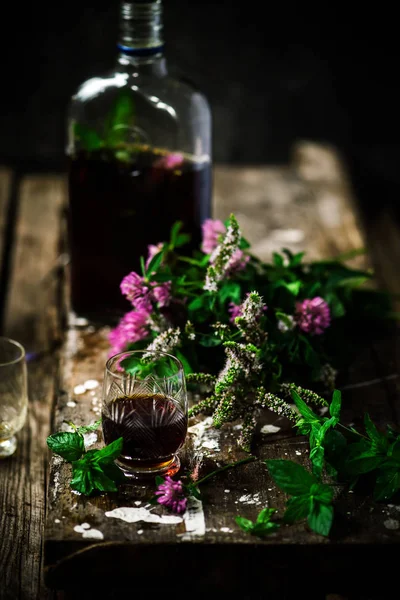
(68, 445)
(311, 500)
(91, 470)
(263, 525)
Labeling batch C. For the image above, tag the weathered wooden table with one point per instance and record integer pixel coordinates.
(58, 544)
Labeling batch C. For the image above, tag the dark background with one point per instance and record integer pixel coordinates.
(273, 74)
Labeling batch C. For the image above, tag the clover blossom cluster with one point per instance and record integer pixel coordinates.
(218, 316)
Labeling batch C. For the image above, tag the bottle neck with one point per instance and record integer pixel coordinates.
(140, 39)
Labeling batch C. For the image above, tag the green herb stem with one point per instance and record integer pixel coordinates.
(225, 468)
(353, 431)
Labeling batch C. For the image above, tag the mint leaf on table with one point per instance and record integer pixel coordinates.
(69, 445)
(84, 428)
(297, 508)
(379, 442)
(308, 417)
(311, 500)
(96, 470)
(108, 454)
(335, 405)
(321, 517)
(263, 525)
(387, 483)
(291, 477)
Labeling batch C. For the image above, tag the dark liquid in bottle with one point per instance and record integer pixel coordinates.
(116, 209)
(153, 429)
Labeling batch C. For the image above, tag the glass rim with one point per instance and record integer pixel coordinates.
(20, 348)
(132, 352)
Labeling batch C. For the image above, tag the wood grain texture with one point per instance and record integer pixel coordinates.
(69, 557)
(30, 298)
(5, 188)
(30, 319)
(305, 206)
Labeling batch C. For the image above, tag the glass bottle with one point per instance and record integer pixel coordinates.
(139, 159)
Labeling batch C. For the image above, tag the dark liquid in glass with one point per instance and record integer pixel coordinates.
(116, 209)
(153, 428)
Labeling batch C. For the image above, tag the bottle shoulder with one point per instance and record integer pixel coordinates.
(169, 88)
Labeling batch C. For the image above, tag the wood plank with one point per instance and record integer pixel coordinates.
(5, 190)
(31, 319)
(305, 206)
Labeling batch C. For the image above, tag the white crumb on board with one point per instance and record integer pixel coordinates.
(391, 524)
(79, 389)
(71, 404)
(90, 438)
(134, 515)
(88, 532)
(270, 429)
(194, 520)
(91, 384)
(205, 436)
(250, 499)
(226, 530)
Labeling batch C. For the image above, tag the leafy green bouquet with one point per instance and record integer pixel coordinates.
(247, 332)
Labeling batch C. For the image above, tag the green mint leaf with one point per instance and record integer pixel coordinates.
(294, 260)
(88, 138)
(182, 239)
(87, 428)
(322, 493)
(334, 408)
(394, 450)
(101, 481)
(293, 287)
(335, 443)
(291, 477)
(82, 480)
(175, 229)
(264, 516)
(303, 426)
(263, 529)
(114, 472)
(364, 463)
(143, 266)
(306, 412)
(387, 483)
(230, 291)
(120, 119)
(278, 259)
(244, 244)
(317, 460)
(263, 526)
(155, 262)
(159, 480)
(109, 453)
(209, 341)
(379, 441)
(197, 303)
(185, 363)
(244, 524)
(321, 518)
(297, 508)
(69, 445)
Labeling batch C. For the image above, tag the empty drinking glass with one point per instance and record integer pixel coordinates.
(13, 394)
